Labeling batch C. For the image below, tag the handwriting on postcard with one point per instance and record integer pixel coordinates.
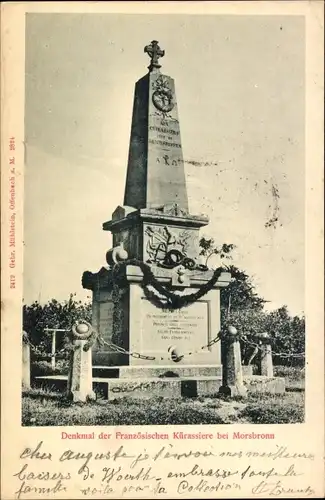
(166, 470)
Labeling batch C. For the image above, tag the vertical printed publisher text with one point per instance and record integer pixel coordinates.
(12, 213)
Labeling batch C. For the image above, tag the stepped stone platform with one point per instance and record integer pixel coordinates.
(146, 383)
(156, 371)
(144, 388)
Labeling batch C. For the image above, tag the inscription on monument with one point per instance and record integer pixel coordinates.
(164, 143)
(164, 130)
(165, 133)
(187, 327)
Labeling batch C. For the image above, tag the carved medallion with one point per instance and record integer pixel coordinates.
(163, 97)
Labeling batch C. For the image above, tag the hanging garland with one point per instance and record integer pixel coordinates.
(117, 337)
(170, 300)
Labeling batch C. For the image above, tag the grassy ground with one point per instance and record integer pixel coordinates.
(43, 408)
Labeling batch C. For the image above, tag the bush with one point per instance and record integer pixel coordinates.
(289, 372)
(43, 368)
(53, 314)
(287, 333)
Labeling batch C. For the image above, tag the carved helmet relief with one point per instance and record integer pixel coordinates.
(168, 248)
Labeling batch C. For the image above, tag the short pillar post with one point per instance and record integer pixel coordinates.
(25, 362)
(265, 364)
(80, 380)
(53, 349)
(232, 373)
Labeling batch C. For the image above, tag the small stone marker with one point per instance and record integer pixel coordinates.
(80, 383)
(232, 373)
(26, 362)
(265, 358)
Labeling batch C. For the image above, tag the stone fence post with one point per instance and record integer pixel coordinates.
(232, 372)
(25, 377)
(80, 379)
(265, 362)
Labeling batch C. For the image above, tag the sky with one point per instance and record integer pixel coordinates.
(240, 85)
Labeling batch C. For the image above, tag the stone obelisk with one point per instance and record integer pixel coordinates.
(155, 174)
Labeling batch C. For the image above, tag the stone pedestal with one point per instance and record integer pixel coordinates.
(125, 317)
(80, 383)
(149, 234)
(25, 363)
(232, 373)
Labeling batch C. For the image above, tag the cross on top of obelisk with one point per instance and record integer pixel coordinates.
(155, 52)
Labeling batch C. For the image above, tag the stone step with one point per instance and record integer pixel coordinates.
(161, 371)
(168, 371)
(263, 384)
(167, 387)
(144, 388)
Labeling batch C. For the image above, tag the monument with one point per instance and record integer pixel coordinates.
(154, 228)
(156, 307)
(157, 237)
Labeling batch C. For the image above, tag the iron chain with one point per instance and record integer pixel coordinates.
(280, 354)
(42, 354)
(120, 350)
(138, 355)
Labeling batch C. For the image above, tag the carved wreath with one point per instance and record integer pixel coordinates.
(162, 96)
(167, 248)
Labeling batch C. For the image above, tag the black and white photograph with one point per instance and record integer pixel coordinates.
(164, 220)
(162, 315)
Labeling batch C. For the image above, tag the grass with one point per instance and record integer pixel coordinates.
(287, 408)
(44, 408)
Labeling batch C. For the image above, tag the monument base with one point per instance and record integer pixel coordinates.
(126, 318)
(164, 371)
(167, 387)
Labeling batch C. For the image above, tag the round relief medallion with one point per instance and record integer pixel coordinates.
(163, 100)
